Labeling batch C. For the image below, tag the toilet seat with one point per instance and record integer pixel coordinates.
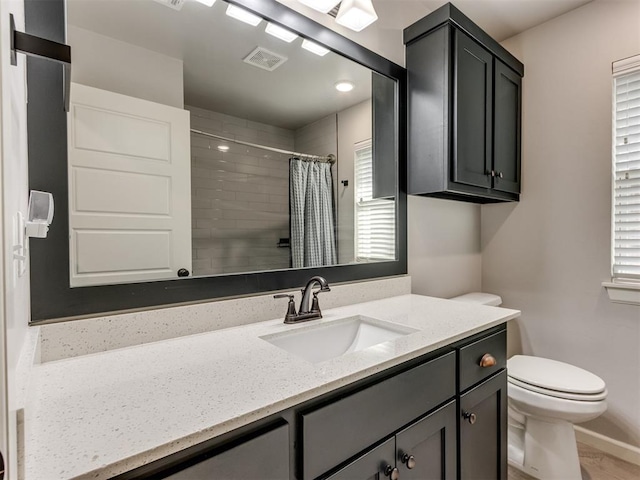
(557, 379)
(594, 397)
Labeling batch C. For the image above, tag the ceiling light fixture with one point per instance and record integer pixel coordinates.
(242, 15)
(223, 148)
(344, 86)
(314, 48)
(324, 6)
(279, 32)
(208, 3)
(356, 14)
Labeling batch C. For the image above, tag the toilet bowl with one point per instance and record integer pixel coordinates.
(545, 399)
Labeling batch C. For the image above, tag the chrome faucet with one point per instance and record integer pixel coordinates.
(304, 312)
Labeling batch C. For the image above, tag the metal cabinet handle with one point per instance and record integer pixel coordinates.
(469, 417)
(392, 472)
(409, 461)
(488, 360)
(500, 175)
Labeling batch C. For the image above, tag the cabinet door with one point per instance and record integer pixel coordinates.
(483, 430)
(385, 144)
(370, 466)
(265, 457)
(472, 110)
(506, 128)
(427, 449)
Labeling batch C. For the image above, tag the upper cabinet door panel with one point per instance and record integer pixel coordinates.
(473, 71)
(507, 114)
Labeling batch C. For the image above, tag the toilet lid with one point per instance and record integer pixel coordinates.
(553, 375)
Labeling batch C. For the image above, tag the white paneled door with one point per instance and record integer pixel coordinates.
(129, 188)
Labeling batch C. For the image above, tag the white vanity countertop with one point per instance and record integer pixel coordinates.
(99, 415)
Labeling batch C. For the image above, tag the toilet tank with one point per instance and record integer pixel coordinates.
(480, 298)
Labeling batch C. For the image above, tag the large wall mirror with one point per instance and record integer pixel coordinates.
(209, 151)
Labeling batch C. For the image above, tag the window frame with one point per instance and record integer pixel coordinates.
(358, 207)
(623, 288)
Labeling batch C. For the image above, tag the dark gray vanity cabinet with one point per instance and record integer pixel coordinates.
(263, 457)
(333, 433)
(483, 436)
(464, 111)
(425, 450)
(373, 465)
(441, 416)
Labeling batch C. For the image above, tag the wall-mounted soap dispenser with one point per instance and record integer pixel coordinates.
(39, 217)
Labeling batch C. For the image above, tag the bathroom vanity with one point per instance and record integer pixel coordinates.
(233, 403)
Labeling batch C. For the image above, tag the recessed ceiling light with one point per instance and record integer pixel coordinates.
(242, 15)
(356, 14)
(208, 3)
(223, 148)
(279, 32)
(315, 48)
(344, 86)
(324, 6)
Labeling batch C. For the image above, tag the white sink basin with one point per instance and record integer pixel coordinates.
(318, 343)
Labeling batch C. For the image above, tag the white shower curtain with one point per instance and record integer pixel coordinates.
(313, 242)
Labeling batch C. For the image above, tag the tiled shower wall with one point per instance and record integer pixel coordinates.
(240, 202)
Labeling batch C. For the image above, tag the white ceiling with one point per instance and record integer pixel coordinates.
(499, 18)
(212, 46)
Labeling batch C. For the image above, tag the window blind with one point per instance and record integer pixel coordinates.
(375, 218)
(626, 174)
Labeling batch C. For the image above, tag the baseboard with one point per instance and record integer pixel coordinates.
(618, 449)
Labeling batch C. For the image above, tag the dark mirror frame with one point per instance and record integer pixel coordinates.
(51, 295)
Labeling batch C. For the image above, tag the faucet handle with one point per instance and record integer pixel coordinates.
(291, 307)
(284, 295)
(315, 306)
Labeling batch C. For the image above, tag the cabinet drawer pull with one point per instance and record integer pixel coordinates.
(392, 472)
(488, 360)
(469, 417)
(409, 461)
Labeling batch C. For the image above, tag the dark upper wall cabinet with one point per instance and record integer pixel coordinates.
(464, 107)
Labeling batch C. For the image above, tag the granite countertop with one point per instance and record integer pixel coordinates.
(102, 414)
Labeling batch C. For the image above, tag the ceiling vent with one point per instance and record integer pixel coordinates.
(265, 59)
(175, 4)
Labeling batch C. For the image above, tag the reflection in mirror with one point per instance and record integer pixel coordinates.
(200, 144)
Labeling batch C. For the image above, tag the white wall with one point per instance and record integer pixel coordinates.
(113, 65)
(354, 126)
(444, 247)
(548, 254)
(15, 299)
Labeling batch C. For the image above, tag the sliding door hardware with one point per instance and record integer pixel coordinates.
(39, 47)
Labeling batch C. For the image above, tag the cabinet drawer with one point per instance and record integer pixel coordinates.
(371, 465)
(471, 372)
(265, 457)
(333, 433)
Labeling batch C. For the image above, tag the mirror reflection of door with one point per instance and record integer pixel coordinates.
(255, 99)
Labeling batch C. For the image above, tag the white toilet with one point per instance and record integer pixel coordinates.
(546, 398)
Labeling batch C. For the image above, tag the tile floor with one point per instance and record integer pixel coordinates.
(596, 465)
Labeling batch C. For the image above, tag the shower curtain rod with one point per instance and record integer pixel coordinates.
(320, 158)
